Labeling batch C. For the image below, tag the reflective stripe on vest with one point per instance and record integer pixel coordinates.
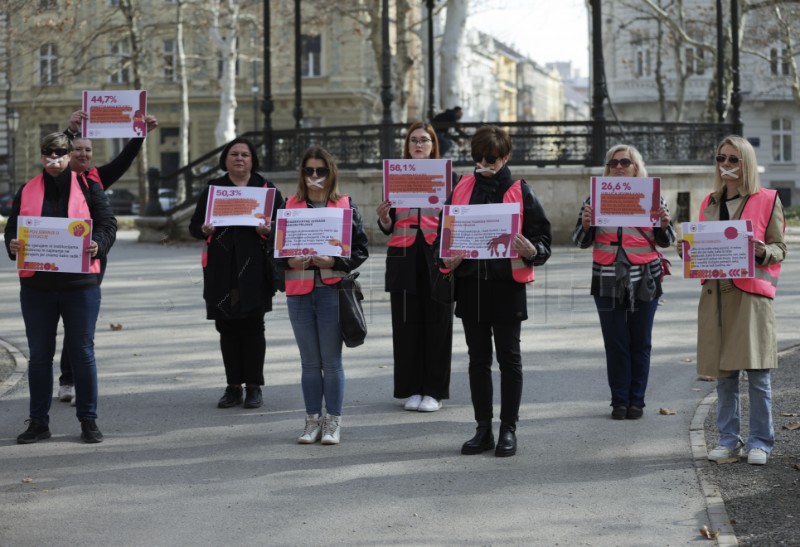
(299, 281)
(637, 248)
(522, 273)
(406, 223)
(32, 198)
(758, 209)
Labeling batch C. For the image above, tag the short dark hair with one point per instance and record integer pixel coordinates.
(225, 151)
(490, 140)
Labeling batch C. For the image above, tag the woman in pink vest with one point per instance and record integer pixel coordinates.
(73, 298)
(106, 175)
(237, 279)
(312, 297)
(491, 298)
(626, 285)
(735, 321)
(422, 326)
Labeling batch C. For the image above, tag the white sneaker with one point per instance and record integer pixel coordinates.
(724, 453)
(66, 393)
(429, 404)
(330, 429)
(412, 403)
(757, 456)
(312, 431)
(72, 401)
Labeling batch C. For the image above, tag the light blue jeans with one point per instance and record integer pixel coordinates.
(761, 434)
(315, 322)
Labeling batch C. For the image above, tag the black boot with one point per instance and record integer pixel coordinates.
(482, 441)
(232, 397)
(506, 440)
(252, 397)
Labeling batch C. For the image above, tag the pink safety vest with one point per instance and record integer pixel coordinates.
(758, 209)
(637, 248)
(404, 231)
(299, 281)
(522, 273)
(31, 200)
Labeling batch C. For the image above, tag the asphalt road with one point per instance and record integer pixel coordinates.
(175, 470)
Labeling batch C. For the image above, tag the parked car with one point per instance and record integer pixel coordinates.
(6, 201)
(123, 202)
(167, 198)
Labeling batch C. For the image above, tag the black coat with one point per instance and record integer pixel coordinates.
(485, 289)
(56, 204)
(238, 278)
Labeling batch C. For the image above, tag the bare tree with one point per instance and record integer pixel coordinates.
(184, 103)
(450, 51)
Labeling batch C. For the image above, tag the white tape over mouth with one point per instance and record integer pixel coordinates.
(731, 173)
(317, 183)
(53, 161)
(481, 169)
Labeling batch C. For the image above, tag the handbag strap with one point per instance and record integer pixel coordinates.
(652, 242)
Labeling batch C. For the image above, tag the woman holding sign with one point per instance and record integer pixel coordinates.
(237, 278)
(47, 296)
(313, 300)
(626, 285)
(491, 297)
(735, 321)
(422, 324)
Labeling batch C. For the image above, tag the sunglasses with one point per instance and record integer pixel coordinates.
(624, 163)
(722, 159)
(57, 151)
(321, 171)
(488, 159)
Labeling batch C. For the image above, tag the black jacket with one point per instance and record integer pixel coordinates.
(238, 277)
(55, 204)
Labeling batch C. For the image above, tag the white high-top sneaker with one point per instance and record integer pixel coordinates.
(312, 431)
(330, 429)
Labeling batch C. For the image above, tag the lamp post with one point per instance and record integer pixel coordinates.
(13, 126)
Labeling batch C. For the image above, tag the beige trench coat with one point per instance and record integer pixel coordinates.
(736, 329)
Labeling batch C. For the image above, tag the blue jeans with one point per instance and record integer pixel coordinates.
(627, 337)
(315, 322)
(761, 434)
(41, 311)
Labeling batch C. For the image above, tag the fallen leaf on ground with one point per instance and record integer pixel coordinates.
(790, 414)
(706, 378)
(666, 411)
(27, 479)
(723, 461)
(792, 426)
(708, 534)
(116, 326)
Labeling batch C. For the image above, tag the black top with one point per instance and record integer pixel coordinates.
(55, 204)
(238, 278)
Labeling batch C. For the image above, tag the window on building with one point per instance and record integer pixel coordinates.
(779, 61)
(48, 4)
(642, 62)
(168, 52)
(116, 146)
(48, 64)
(782, 139)
(119, 59)
(690, 60)
(113, 2)
(700, 62)
(310, 55)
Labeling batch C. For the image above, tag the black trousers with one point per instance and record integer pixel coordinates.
(422, 338)
(243, 347)
(507, 345)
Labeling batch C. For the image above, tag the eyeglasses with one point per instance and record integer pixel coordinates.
(722, 159)
(420, 142)
(57, 151)
(624, 163)
(477, 158)
(321, 171)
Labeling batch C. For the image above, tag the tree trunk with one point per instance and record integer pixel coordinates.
(183, 146)
(450, 50)
(226, 127)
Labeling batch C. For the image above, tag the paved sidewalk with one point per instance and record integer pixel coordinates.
(176, 470)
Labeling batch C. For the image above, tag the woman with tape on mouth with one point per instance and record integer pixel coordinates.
(74, 298)
(735, 319)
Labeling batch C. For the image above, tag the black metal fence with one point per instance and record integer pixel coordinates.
(534, 143)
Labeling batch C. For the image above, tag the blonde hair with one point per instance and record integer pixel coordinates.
(747, 163)
(319, 153)
(635, 156)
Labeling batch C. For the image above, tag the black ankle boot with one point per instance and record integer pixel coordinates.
(252, 397)
(482, 441)
(506, 441)
(232, 397)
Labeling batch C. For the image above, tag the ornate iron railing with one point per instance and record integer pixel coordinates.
(534, 143)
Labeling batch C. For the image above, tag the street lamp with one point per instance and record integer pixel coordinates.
(13, 126)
